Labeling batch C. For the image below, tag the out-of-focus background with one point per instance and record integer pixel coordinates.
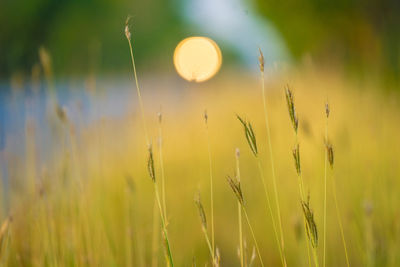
(362, 37)
(75, 189)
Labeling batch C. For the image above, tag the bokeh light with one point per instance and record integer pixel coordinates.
(197, 58)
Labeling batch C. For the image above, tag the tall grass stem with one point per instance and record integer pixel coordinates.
(271, 157)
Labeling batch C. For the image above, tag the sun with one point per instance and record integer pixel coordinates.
(197, 58)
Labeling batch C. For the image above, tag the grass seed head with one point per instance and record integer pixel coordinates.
(311, 226)
(250, 136)
(237, 153)
(205, 116)
(127, 31)
(261, 60)
(296, 157)
(291, 108)
(200, 208)
(327, 109)
(329, 151)
(235, 185)
(150, 164)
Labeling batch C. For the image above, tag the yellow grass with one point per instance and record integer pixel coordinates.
(84, 211)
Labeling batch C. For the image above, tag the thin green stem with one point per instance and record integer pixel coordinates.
(211, 188)
(240, 215)
(315, 256)
(160, 143)
(155, 238)
(209, 246)
(302, 196)
(340, 221)
(269, 206)
(273, 169)
(253, 235)
(325, 170)
(138, 92)
(164, 228)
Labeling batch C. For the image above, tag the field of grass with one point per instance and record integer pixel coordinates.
(92, 202)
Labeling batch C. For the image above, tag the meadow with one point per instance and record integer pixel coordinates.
(91, 202)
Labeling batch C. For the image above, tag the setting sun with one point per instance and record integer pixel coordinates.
(197, 58)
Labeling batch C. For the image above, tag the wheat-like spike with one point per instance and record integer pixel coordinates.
(312, 231)
(150, 165)
(329, 151)
(296, 157)
(261, 60)
(291, 108)
(200, 208)
(235, 185)
(327, 109)
(250, 136)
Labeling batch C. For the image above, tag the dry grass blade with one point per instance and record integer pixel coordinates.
(150, 165)
(296, 157)
(291, 108)
(250, 136)
(235, 185)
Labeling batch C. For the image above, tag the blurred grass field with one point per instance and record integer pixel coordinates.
(92, 202)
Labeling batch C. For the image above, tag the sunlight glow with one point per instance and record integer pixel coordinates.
(197, 58)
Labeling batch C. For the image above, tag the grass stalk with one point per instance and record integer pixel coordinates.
(340, 221)
(296, 156)
(211, 181)
(151, 162)
(269, 206)
(329, 157)
(234, 183)
(253, 235)
(271, 157)
(237, 154)
(155, 237)
(252, 141)
(203, 219)
(128, 37)
(161, 158)
(164, 228)
(325, 174)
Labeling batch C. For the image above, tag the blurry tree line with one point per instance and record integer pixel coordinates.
(84, 34)
(363, 35)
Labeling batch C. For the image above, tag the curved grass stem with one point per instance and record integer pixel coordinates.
(239, 214)
(253, 236)
(340, 221)
(164, 228)
(325, 170)
(269, 206)
(211, 189)
(278, 210)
